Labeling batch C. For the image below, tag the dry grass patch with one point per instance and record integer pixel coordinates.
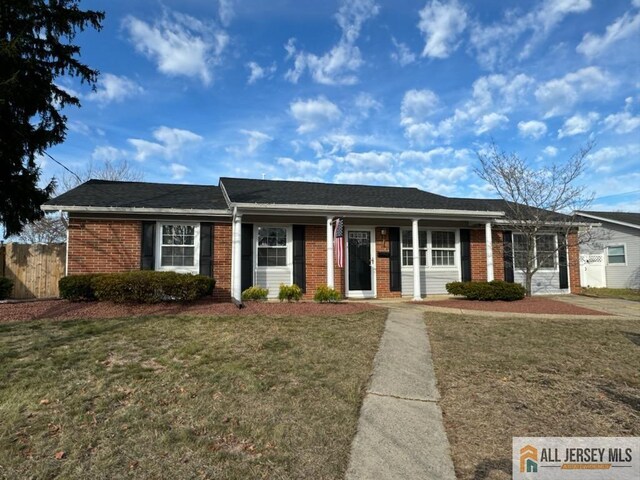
(183, 397)
(501, 378)
(623, 293)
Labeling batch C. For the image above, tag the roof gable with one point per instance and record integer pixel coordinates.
(631, 219)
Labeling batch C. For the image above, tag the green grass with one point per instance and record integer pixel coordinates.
(183, 397)
(623, 293)
(501, 378)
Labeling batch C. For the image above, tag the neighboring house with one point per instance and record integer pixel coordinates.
(610, 256)
(397, 241)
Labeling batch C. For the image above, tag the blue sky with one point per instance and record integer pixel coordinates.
(362, 91)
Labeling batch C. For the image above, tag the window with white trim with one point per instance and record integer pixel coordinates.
(543, 251)
(178, 246)
(407, 247)
(546, 251)
(272, 246)
(616, 255)
(443, 249)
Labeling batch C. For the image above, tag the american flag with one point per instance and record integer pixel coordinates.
(338, 244)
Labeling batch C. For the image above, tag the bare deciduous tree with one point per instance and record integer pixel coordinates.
(52, 228)
(537, 201)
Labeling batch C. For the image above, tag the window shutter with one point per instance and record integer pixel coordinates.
(395, 277)
(507, 247)
(562, 261)
(246, 253)
(465, 254)
(148, 246)
(299, 273)
(206, 249)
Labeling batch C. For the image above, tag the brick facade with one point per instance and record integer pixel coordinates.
(114, 246)
(222, 261)
(574, 262)
(383, 277)
(97, 246)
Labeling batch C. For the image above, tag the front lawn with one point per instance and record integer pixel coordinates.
(623, 293)
(183, 397)
(501, 378)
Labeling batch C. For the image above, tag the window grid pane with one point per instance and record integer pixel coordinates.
(272, 247)
(177, 246)
(616, 254)
(546, 251)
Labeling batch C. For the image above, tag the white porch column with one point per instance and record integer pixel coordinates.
(236, 257)
(489, 244)
(416, 260)
(330, 272)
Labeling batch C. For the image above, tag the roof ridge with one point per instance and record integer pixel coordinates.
(100, 180)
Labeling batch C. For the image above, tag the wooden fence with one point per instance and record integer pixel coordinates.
(34, 269)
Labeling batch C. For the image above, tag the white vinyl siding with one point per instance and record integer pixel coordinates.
(273, 257)
(625, 275)
(544, 282)
(439, 260)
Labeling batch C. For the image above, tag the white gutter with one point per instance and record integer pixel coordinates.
(554, 223)
(608, 220)
(292, 209)
(145, 210)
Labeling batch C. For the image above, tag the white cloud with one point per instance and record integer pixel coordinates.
(578, 124)
(365, 103)
(178, 171)
(114, 88)
(623, 122)
(489, 122)
(169, 143)
(417, 105)
(604, 159)
(313, 113)
(226, 11)
(369, 160)
(107, 153)
(550, 151)
(402, 53)
(304, 169)
(445, 153)
(332, 144)
(179, 44)
(593, 45)
(557, 96)
(441, 24)
(255, 139)
(532, 129)
(494, 44)
(365, 178)
(256, 72)
(339, 65)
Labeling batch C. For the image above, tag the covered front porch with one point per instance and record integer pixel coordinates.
(372, 257)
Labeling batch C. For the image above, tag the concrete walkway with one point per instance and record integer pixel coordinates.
(614, 306)
(400, 431)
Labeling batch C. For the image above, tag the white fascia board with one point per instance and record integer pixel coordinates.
(554, 223)
(142, 210)
(608, 220)
(284, 209)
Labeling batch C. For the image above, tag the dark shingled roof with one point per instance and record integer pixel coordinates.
(106, 193)
(627, 217)
(272, 192)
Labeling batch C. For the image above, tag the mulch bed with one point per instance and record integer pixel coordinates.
(63, 309)
(527, 305)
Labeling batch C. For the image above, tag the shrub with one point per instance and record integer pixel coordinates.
(6, 285)
(289, 293)
(255, 293)
(151, 287)
(326, 294)
(77, 288)
(487, 291)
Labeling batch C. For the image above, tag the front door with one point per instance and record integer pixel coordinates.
(360, 264)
